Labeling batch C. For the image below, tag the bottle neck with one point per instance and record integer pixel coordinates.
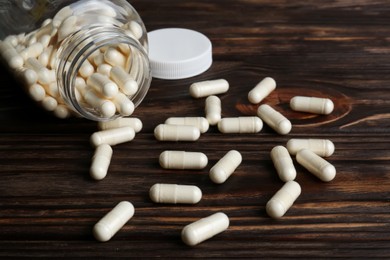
(79, 49)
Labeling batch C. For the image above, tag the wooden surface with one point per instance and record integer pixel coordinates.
(336, 49)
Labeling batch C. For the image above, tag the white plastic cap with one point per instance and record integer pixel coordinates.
(176, 53)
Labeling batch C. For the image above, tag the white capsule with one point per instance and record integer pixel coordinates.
(49, 103)
(175, 194)
(274, 119)
(208, 88)
(80, 83)
(123, 104)
(261, 90)
(113, 221)
(62, 15)
(103, 85)
(136, 29)
(12, 39)
(225, 167)
(67, 27)
(106, 107)
(199, 122)
(126, 83)
(135, 123)
(322, 147)
(213, 109)
(205, 228)
(52, 89)
(86, 69)
(45, 56)
(124, 48)
(98, 59)
(45, 76)
(315, 105)
(104, 69)
(113, 57)
(11, 56)
(45, 40)
(28, 76)
(61, 111)
(283, 163)
(113, 136)
(164, 132)
(316, 165)
(33, 51)
(183, 160)
(101, 161)
(283, 199)
(37, 92)
(243, 124)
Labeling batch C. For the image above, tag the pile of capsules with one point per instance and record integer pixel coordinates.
(309, 153)
(102, 81)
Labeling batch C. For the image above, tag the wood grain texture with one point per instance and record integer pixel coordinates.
(337, 49)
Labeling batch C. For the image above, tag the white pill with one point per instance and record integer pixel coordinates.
(113, 136)
(61, 111)
(104, 69)
(62, 15)
(283, 199)
(261, 90)
(183, 160)
(205, 228)
(113, 57)
(33, 51)
(45, 56)
(113, 221)
(86, 69)
(10, 55)
(274, 119)
(175, 194)
(80, 83)
(225, 167)
(98, 59)
(67, 27)
(316, 165)
(12, 39)
(283, 163)
(243, 124)
(106, 107)
(322, 147)
(103, 85)
(136, 29)
(164, 132)
(37, 92)
(28, 76)
(45, 40)
(124, 48)
(101, 161)
(123, 104)
(135, 123)
(52, 89)
(213, 109)
(208, 88)
(49, 103)
(45, 76)
(126, 83)
(199, 122)
(315, 105)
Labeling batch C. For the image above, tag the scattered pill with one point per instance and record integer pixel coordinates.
(225, 167)
(10, 55)
(208, 88)
(213, 109)
(183, 160)
(28, 76)
(164, 132)
(49, 103)
(113, 136)
(243, 124)
(316, 165)
(261, 90)
(175, 194)
(61, 111)
(199, 122)
(283, 163)
(315, 105)
(113, 221)
(103, 85)
(204, 228)
(274, 119)
(322, 147)
(126, 83)
(37, 92)
(101, 161)
(283, 199)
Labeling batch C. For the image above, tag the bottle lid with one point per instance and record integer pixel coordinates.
(176, 53)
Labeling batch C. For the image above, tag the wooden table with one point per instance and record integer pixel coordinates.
(335, 49)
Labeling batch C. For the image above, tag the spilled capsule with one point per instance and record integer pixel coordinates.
(315, 105)
(283, 163)
(183, 160)
(112, 136)
(322, 147)
(242, 124)
(274, 119)
(283, 199)
(208, 88)
(175, 194)
(225, 167)
(316, 165)
(199, 122)
(261, 90)
(164, 132)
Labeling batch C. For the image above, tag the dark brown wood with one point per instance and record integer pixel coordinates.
(337, 49)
